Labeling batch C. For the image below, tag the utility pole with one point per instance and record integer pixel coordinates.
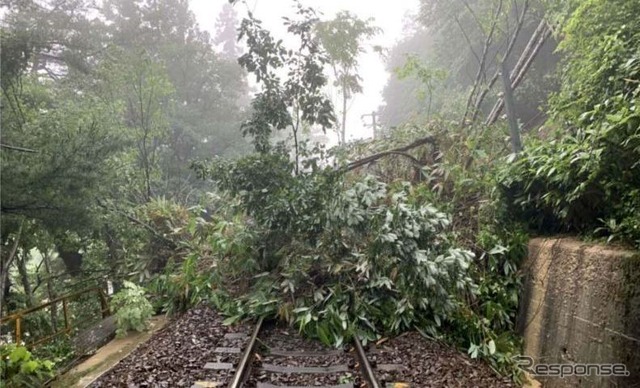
(373, 123)
(511, 113)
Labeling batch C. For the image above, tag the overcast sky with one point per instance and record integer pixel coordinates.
(388, 15)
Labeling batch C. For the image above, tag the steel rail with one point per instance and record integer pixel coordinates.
(365, 365)
(247, 356)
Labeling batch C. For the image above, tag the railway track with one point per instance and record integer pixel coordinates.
(198, 350)
(272, 357)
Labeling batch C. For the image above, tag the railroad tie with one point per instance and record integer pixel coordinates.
(305, 369)
(227, 350)
(236, 335)
(207, 384)
(291, 353)
(218, 365)
(267, 385)
(390, 367)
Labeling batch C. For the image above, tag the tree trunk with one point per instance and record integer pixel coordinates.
(295, 128)
(482, 61)
(51, 292)
(524, 63)
(516, 145)
(114, 257)
(24, 278)
(5, 264)
(344, 113)
(494, 79)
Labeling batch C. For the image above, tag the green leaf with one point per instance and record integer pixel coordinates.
(231, 320)
(492, 347)
(498, 249)
(29, 367)
(19, 354)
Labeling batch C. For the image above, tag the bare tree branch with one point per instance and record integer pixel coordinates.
(396, 151)
(15, 148)
(481, 69)
(466, 37)
(521, 68)
(512, 42)
(474, 16)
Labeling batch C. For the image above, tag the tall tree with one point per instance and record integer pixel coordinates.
(298, 101)
(141, 87)
(226, 31)
(68, 44)
(470, 39)
(57, 136)
(210, 89)
(72, 136)
(343, 38)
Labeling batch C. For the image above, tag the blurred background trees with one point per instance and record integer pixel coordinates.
(467, 40)
(103, 110)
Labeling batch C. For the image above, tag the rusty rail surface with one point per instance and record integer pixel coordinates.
(365, 365)
(244, 365)
(247, 356)
(18, 316)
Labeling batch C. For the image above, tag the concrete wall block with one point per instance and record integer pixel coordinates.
(581, 304)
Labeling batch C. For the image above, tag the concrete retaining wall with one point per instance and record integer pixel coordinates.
(581, 304)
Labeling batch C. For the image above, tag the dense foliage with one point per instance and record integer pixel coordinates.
(132, 309)
(103, 107)
(18, 368)
(361, 257)
(586, 177)
(341, 254)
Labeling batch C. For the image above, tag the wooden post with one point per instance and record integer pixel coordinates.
(104, 305)
(51, 291)
(65, 309)
(511, 114)
(18, 331)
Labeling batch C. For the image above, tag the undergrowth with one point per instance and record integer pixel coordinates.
(19, 368)
(429, 239)
(371, 253)
(585, 178)
(132, 309)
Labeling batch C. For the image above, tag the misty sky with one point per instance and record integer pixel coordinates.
(389, 15)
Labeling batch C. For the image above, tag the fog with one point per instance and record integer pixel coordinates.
(390, 16)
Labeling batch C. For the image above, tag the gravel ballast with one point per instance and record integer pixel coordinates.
(288, 339)
(420, 362)
(176, 355)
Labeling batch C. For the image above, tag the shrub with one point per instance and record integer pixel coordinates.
(588, 179)
(326, 258)
(132, 309)
(365, 260)
(225, 235)
(18, 368)
(584, 183)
